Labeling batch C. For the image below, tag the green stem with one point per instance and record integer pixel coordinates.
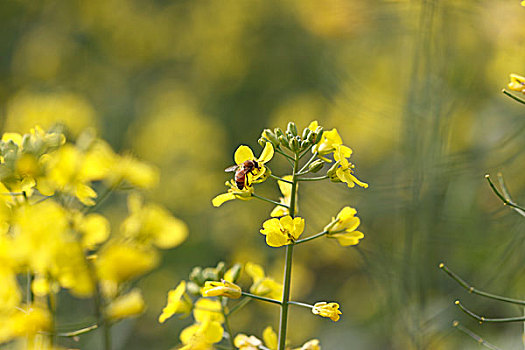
(515, 98)
(317, 235)
(99, 306)
(506, 201)
(102, 198)
(284, 154)
(482, 319)
(78, 331)
(474, 336)
(301, 304)
(239, 305)
(283, 318)
(313, 178)
(473, 290)
(280, 179)
(258, 297)
(226, 321)
(270, 201)
(305, 151)
(305, 166)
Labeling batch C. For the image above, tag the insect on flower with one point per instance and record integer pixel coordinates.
(242, 171)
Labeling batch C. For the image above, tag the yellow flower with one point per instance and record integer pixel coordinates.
(270, 338)
(282, 231)
(135, 172)
(127, 305)
(223, 288)
(244, 153)
(344, 170)
(244, 342)
(28, 321)
(233, 193)
(328, 143)
(517, 82)
(286, 190)
(152, 224)
(325, 309)
(344, 226)
(310, 345)
(178, 302)
(208, 309)
(202, 335)
(262, 285)
(93, 227)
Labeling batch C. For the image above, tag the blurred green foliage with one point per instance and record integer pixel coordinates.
(412, 86)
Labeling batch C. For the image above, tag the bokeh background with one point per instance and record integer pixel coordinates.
(414, 87)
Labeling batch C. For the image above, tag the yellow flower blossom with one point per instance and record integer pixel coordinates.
(208, 309)
(286, 190)
(328, 143)
(152, 224)
(344, 226)
(135, 172)
(27, 321)
(310, 345)
(178, 302)
(344, 171)
(223, 288)
(517, 82)
(270, 338)
(262, 285)
(245, 153)
(94, 228)
(244, 342)
(233, 193)
(330, 310)
(201, 336)
(282, 231)
(125, 306)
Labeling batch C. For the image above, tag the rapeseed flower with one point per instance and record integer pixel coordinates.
(517, 82)
(330, 310)
(245, 342)
(245, 153)
(282, 231)
(343, 227)
(330, 140)
(344, 169)
(178, 302)
(262, 285)
(125, 306)
(310, 345)
(233, 193)
(223, 288)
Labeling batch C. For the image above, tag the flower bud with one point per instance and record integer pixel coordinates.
(294, 145)
(283, 141)
(193, 288)
(197, 276)
(304, 144)
(223, 289)
(278, 132)
(233, 273)
(319, 134)
(306, 133)
(332, 170)
(291, 129)
(316, 166)
(267, 133)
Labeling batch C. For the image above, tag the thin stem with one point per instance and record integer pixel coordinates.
(474, 336)
(313, 178)
(99, 306)
(305, 166)
(102, 198)
(515, 98)
(283, 318)
(473, 290)
(78, 331)
(503, 199)
(317, 235)
(258, 297)
(284, 154)
(482, 319)
(239, 305)
(305, 151)
(226, 321)
(280, 179)
(506, 194)
(301, 304)
(270, 201)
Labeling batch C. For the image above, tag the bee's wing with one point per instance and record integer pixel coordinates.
(231, 168)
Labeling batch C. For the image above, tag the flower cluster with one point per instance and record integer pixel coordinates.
(51, 238)
(283, 229)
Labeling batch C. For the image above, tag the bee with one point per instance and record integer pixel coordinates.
(241, 172)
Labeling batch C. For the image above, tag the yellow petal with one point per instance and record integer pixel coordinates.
(267, 153)
(128, 305)
(220, 199)
(85, 194)
(242, 154)
(12, 136)
(172, 234)
(255, 271)
(313, 125)
(270, 338)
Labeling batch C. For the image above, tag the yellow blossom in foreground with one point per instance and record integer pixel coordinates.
(344, 172)
(128, 305)
(328, 143)
(286, 190)
(517, 82)
(344, 226)
(93, 227)
(325, 309)
(262, 285)
(233, 193)
(178, 302)
(27, 321)
(244, 153)
(223, 288)
(310, 345)
(282, 231)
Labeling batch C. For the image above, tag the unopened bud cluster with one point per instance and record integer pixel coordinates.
(291, 139)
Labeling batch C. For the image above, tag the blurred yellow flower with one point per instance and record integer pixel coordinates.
(282, 231)
(244, 342)
(262, 285)
(223, 288)
(201, 336)
(94, 228)
(517, 82)
(208, 309)
(330, 310)
(27, 321)
(152, 224)
(344, 226)
(270, 338)
(178, 302)
(135, 172)
(344, 170)
(310, 345)
(286, 190)
(127, 305)
(233, 193)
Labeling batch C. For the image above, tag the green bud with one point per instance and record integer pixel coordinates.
(332, 170)
(294, 145)
(312, 137)
(319, 134)
(316, 166)
(193, 288)
(262, 141)
(283, 141)
(271, 137)
(235, 272)
(278, 132)
(196, 276)
(306, 133)
(210, 274)
(291, 129)
(304, 144)
(220, 269)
